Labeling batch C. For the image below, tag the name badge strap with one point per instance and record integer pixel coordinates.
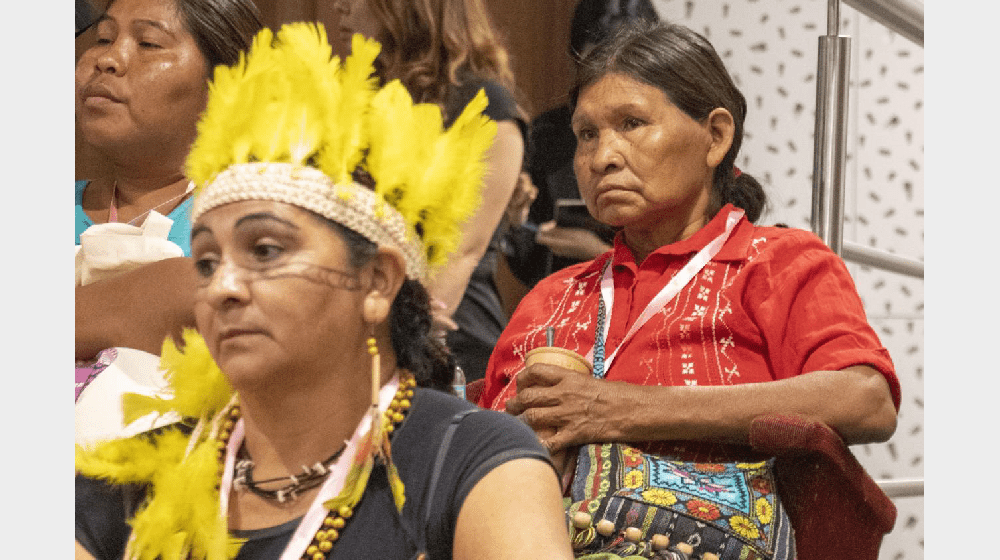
(673, 287)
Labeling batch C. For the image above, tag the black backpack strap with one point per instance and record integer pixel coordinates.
(449, 434)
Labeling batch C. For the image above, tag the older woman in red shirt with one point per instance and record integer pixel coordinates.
(698, 320)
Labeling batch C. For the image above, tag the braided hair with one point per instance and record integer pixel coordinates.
(417, 350)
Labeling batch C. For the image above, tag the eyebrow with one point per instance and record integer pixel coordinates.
(139, 22)
(198, 230)
(153, 23)
(249, 218)
(264, 216)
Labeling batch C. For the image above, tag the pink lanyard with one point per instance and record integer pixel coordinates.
(676, 284)
(313, 518)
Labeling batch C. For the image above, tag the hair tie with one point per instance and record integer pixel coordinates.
(736, 171)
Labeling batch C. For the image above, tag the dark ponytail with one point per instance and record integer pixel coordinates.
(416, 349)
(743, 191)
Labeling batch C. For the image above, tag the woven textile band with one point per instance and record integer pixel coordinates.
(352, 206)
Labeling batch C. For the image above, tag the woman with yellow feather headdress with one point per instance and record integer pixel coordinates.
(317, 423)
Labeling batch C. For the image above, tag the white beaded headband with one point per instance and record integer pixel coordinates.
(353, 206)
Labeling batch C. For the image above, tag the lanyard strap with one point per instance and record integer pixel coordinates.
(606, 304)
(313, 518)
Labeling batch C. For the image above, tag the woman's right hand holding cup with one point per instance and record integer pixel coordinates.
(544, 388)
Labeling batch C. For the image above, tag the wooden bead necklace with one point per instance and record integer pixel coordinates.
(335, 521)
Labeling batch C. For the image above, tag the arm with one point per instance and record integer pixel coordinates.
(855, 402)
(503, 166)
(576, 243)
(496, 523)
(137, 309)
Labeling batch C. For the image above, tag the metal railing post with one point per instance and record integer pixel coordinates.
(830, 153)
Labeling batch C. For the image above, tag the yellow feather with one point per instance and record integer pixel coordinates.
(184, 510)
(289, 101)
(199, 386)
(357, 476)
(131, 460)
(456, 175)
(395, 482)
(357, 87)
(405, 133)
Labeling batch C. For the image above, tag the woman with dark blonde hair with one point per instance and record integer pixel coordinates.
(444, 52)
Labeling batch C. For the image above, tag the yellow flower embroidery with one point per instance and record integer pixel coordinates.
(764, 510)
(634, 478)
(659, 496)
(631, 452)
(743, 526)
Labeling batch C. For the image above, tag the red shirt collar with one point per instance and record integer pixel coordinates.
(734, 250)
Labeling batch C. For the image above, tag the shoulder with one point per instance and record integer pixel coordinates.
(502, 105)
(794, 269)
(432, 407)
(571, 275)
(556, 285)
(782, 246)
(477, 438)
(474, 440)
(787, 234)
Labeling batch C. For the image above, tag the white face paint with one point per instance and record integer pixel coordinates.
(231, 276)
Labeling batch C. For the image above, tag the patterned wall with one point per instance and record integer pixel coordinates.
(770, 48)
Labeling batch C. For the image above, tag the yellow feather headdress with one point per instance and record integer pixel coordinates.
(290, 123)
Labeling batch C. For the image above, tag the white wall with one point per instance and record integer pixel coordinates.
(770, 48)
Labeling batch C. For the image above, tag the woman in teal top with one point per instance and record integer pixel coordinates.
(140, 89)
(180, 231)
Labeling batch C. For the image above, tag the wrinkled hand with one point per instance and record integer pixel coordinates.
(575, 243)
(566, 408)
(520, 200)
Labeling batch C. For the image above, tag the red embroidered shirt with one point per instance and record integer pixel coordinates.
(772, 304)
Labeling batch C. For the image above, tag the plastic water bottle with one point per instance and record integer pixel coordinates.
(459, 382)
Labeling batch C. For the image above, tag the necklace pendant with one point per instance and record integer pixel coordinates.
(243, 466)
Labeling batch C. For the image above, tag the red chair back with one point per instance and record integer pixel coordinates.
(837, 510)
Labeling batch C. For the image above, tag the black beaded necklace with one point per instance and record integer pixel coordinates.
(311, 477)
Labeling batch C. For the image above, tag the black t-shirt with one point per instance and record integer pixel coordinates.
(480, 314)
(482, 441)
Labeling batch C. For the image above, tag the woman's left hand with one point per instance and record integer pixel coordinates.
(566, 408)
